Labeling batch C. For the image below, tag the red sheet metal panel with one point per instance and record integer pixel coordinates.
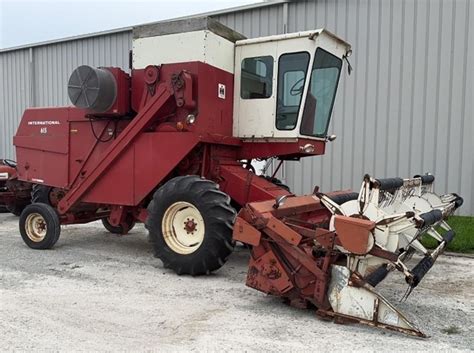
(144, 165)
(244, 186)
(42, 146)
(246, 233)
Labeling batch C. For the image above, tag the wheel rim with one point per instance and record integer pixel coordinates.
(36, 227)
(183, 228)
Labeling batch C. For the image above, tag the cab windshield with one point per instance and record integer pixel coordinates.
(322, 91)
(292, 72)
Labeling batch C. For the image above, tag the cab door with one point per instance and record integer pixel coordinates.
(254, 90)
(271, 79)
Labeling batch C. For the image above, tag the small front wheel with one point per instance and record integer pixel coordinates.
(39, 226)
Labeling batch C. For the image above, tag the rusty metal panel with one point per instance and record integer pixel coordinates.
(245, 233)
(282, 230)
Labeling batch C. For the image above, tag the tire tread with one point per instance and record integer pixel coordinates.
(217, 213)
(52, 221)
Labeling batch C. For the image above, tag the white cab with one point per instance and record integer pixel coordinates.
(255, 113)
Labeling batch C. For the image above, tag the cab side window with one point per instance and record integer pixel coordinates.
(292, 69)
(256, 78)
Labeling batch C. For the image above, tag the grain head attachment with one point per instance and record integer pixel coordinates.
(330, 251)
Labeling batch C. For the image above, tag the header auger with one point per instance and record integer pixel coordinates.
(170, 144)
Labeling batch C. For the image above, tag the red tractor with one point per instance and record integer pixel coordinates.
(171, 145)
(15, 195)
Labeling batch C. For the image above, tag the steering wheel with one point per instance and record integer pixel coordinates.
(325, 87)
(294, 90)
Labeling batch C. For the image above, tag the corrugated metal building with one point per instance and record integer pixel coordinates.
(406, 109)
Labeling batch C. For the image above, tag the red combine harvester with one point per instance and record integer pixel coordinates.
(171, 145)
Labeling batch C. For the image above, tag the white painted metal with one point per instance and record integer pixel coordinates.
(180, 237)
(255, 118)
(204, 46)
(395, 228)
(398, 228)
(36, 227)
(363, 302)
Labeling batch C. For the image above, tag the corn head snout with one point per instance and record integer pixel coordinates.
(331, 250)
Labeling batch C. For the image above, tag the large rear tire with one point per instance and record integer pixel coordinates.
(46, 194)
(39, 226)
(40, 194)
(190, 224)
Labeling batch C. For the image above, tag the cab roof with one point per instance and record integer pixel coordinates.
(309, 34)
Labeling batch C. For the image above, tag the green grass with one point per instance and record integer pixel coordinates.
(463, 241)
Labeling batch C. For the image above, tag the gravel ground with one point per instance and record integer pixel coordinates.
(97, 291)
